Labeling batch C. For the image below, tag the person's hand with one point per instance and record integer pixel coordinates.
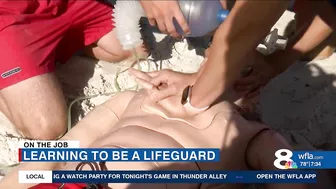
(262, 72)
(161, 13)
(163, 83)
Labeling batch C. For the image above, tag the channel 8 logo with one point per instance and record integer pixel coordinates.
(284, 155)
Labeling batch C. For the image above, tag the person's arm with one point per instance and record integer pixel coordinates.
(261, 155)
(306, 41)
(313, 21)
(244, 28)
(98, 122)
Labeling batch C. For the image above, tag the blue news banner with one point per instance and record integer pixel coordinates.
(184, 176)
(112, 154)
(285, 159)
(305, 159)
(315, 159)
(155, 155)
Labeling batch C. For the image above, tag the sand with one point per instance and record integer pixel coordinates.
(297, 103)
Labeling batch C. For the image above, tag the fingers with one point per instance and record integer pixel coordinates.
(161, 25)
(161, 13)
(254, 93)
(159, 79)
(145, 84)
(156, 17)
(163, 93)
(152, 21)
(182, 21)
(171, 28)
(245, 88)
(154, 73)
(248, 80)
(139, 74)
(162, 86)
(156, 78)
(247, 83)
(148, 8)
(155, 93)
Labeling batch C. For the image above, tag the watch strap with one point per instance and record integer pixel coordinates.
(194, 110)
(186, 98)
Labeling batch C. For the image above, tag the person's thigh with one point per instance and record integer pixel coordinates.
(93, 22)
(30, 95)
(36, 107)
(114, 54)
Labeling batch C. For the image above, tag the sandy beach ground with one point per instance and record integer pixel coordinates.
(298, 103)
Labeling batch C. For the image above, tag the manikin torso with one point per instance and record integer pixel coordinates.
(165, 124)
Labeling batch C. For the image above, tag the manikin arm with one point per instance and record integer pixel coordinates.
(260, 155)
(99, 121)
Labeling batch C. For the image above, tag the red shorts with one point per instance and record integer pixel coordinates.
(35, 34)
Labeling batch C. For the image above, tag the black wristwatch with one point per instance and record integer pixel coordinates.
(186, 96)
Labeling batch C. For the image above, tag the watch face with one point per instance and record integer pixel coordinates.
(185, 95)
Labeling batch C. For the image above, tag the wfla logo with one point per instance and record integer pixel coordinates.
(284, 160)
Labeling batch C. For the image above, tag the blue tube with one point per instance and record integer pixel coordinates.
(222, 14)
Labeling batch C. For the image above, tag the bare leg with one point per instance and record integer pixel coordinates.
(326, 49)
(109, 49)
(312, 17)
(92, 127)
(314, 35)
(95, 51)
(36, 107)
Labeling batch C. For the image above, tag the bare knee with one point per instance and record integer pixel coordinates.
(45, 127)
(41, 113)
(101, 54)
(120, 55)
(109, 48)
(116, 57)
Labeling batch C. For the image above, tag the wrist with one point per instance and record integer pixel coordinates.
(201, 97)
(193, 110)
(199, 101)
(193, 78)
(210, 79)
(186, 101)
